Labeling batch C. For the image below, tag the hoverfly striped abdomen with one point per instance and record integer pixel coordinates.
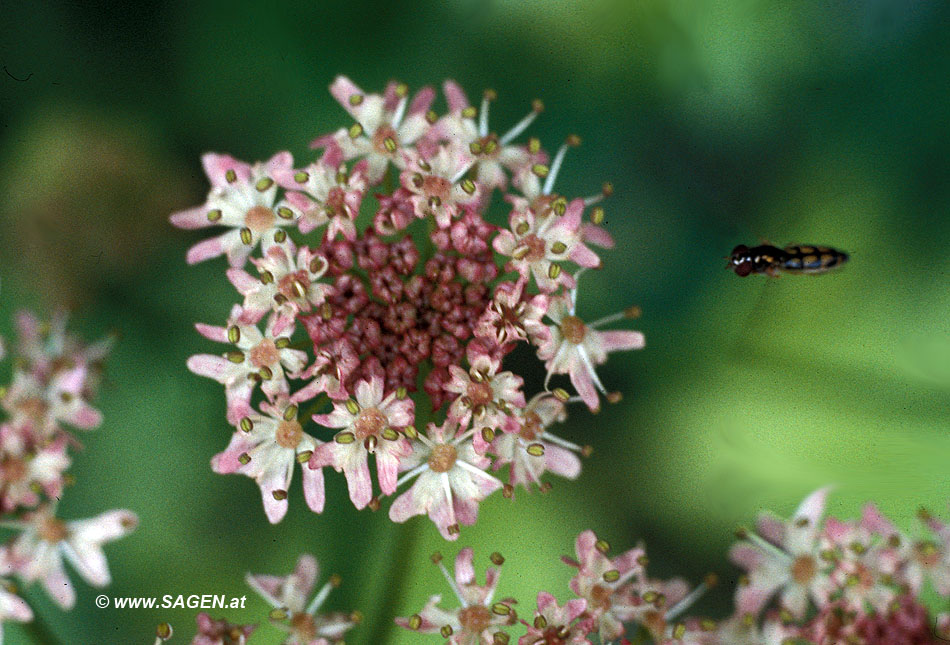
(811, 259)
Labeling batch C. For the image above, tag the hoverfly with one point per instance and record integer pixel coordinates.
(797, 258)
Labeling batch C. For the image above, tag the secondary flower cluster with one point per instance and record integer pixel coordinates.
(294, 612)
(54, 378)
(409, 312)
(835, 582)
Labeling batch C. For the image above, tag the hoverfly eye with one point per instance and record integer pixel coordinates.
(743, 269)
(742, 249)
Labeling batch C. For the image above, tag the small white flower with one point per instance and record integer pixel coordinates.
(37, 553)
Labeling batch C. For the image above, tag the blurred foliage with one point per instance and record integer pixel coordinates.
(719, 123)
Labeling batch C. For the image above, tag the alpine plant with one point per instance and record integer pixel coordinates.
(295, 611)
(380, 289)
(807, 580)
(54, 378)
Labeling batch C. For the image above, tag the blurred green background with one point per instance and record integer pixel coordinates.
(719, 123)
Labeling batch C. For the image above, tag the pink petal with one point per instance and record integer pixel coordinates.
(422, 101)
(400, 413)
(227, 461)
(305, 573)
(313, 489)
(216, 367)
(561, 461)
(802, 528)
(271, 587)
(243, 281)
(584, 384)
(216, 167)
(387, 470)
(545, 602)
(583, 256)
(746, 556)
(342, 89)
(750, 599)
(238, 399)
(455, 96)
(333, 155)
(323, 455)
(191, 218)
(359, 484)
(615, 341)
(205, 250)
(405, 507)
(107, 527)
(575, 607)
(629, 561)
(873, 520)
(772, 528)
(281, 161)
(72, 381)
(369, 393)
(466, 512)
(323, 141)
(213, 332)
(15, 608)
(464, 569)
(597, 235)
(58, 586)
(836, 529)
(585, 545)
(276, 479)
(84, 416)
(89, 561)
(812, 507)
(571, 220)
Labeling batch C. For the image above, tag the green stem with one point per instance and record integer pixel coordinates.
(385, 611)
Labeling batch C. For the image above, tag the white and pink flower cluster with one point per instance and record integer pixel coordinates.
(611, 597)
(294, 612)
(809, 580)
(54, 378)
(383, 302)
(826, 580)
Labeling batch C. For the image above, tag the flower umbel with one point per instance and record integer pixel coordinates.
(409, 316)
(295, 612)
(478, 618)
